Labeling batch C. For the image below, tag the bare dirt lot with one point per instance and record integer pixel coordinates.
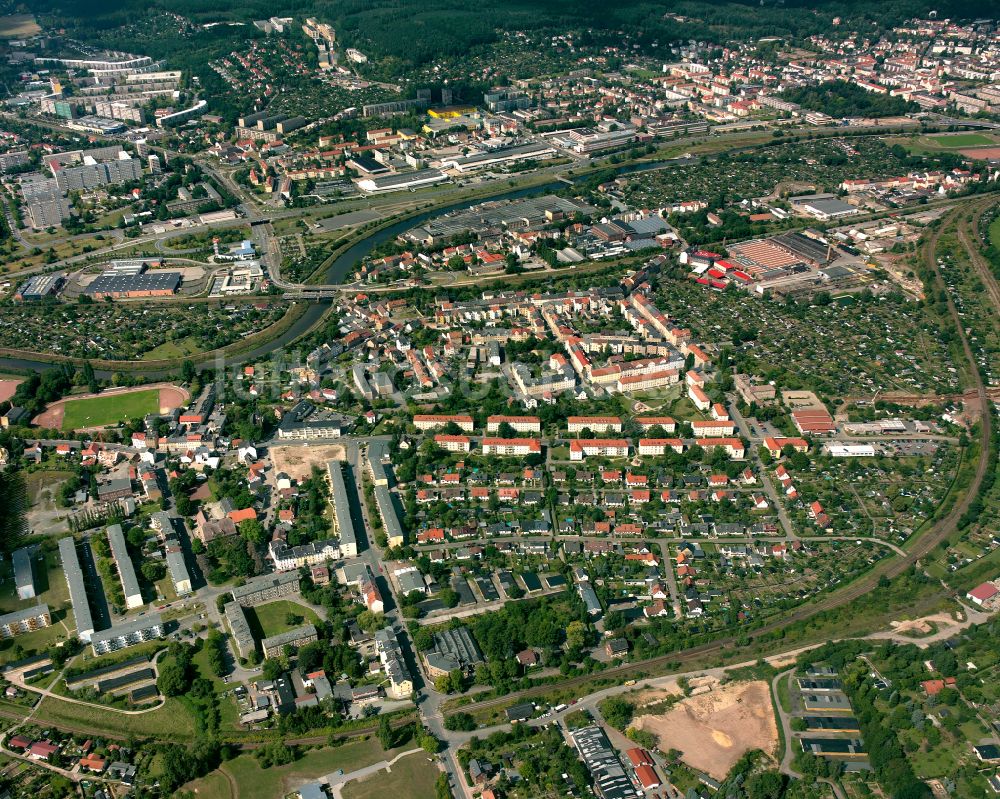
(7, 389)
(297, 462)
(713, 730)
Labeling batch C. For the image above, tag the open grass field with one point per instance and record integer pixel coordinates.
(172, 349)
(995, 232)
(14, 26)
(253, 782)
(171, 720)
(412, 776)
(271, 618)
(50, 585)
(101, 411)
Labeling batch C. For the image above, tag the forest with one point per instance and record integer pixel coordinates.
(413, 33)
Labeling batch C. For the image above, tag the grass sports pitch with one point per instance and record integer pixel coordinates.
(101, 411)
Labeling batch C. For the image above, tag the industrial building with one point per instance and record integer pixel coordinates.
(39, 287)
(126, 570)
(77, 589)
(610, 779)
(453, 649)
(118, 284)
(402, 181)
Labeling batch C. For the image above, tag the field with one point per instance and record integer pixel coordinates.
(965, 143)
(101, 410)
(715, 729)
(14, 26)
(297, 462)
(252, 782)
(995, 232)
(171, 720)
(271, 617)
(173, 349)
(410, 776)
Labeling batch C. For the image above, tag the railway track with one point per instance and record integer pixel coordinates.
(920, 548)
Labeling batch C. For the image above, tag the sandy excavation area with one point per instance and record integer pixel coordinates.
(714, 729)
(297, 462)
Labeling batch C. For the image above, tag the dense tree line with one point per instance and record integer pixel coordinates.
(839, 98)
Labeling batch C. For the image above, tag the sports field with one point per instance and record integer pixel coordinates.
(947, 142)
(101, 411)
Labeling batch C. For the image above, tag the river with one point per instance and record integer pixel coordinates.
(344, 265)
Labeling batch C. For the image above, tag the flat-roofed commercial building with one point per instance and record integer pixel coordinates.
(126, 571)
(77, 589)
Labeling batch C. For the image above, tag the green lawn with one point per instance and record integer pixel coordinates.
(963, 140)
(50, 584)
(171, 721)
(995, 233)
(101, 411)
(410, 778)
(172, 349)
(254, 782)
(271, 617)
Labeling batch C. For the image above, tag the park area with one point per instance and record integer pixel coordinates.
(278, 617)
(715, 729)
(101, 410)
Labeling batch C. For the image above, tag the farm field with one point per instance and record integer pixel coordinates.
(713, 730)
